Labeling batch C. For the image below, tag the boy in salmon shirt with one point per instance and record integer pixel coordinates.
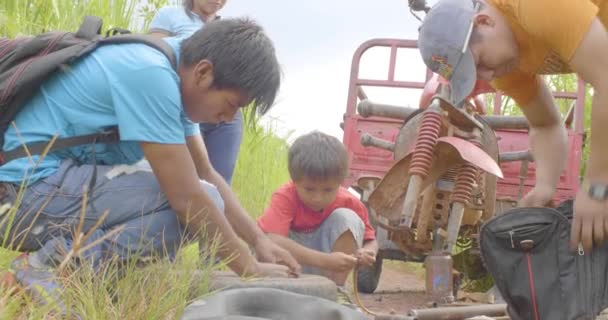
(323, 225)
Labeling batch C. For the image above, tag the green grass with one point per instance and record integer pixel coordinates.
(160, 290)
(261, 167)
(163, 289)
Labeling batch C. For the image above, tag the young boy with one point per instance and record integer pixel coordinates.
(325, 227)
(222, 140)
(221, 68)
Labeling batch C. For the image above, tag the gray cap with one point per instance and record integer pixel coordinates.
(444, 44)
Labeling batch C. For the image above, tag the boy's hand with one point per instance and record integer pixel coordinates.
(268, 251)
(340, 261)
(365, 257)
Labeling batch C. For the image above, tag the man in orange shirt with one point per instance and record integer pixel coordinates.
(325, 227)
(511, 43)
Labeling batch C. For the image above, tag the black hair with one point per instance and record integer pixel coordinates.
(243, 58)
(317, 156)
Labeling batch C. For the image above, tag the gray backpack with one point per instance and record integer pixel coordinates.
(526, 250)
(26, 62)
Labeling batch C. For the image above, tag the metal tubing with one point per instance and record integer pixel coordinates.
(454, 222)
(367, 140)
(459, 313)
(411, 200)
(367, 108)
(506, 122)
(515, 156)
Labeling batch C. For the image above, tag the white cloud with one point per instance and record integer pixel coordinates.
(316, 40)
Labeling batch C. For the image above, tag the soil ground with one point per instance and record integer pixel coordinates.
(401, 288)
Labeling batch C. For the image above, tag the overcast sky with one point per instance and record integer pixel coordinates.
(315, 41)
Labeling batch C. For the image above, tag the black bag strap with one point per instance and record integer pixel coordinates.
(149, 40)
(90, 28)
(36, 148)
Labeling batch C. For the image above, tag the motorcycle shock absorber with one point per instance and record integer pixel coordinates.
(421, 162)
(465, 182)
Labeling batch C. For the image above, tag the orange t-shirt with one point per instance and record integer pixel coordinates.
(548, 33)
(287, 212)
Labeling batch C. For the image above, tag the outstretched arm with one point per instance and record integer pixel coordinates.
(590, 61)
(242, 222)
(548, 144)
(176, 174)
(333, 261)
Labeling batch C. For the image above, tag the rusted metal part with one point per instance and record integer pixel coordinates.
(405, 239)
(466, 181)
(459, 313)
(458, 116)
(439, 278)
(425, 214)
(367, 108)
(422, 160)
(442, 206)
(367, 140)
(472, 154)
(408, 134)
(387, 198)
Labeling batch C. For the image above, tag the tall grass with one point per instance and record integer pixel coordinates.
(163, 289)
(261, 166)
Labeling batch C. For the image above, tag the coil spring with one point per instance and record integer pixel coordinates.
(425, 143)
(465, 181)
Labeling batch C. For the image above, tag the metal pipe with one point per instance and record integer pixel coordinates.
(411, 200)
(458, 313)
(506, 122)
(367, 140)
(454, 222)
(515, 156)
(367, 108)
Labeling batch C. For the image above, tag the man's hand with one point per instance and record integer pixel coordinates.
(260, 269)
(365, 257)
(339, 262)
(540, 196)
(268, 251)
(590, 223)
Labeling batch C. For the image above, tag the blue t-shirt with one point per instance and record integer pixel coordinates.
(132, 86)
(175, 21)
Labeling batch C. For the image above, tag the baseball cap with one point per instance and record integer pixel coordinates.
(443, 42)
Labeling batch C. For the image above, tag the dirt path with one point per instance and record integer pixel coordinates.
(401, 288)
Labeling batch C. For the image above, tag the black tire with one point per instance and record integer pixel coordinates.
(306, 284)
(368, 278)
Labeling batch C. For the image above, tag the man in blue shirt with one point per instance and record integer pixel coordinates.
(222, 140)
(151, 209)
